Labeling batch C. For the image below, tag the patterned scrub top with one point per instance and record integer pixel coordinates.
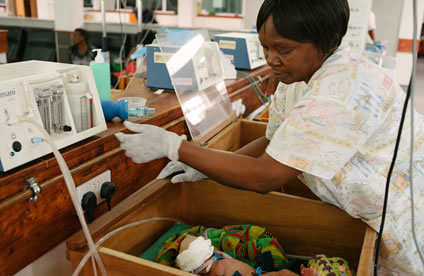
(340, 131)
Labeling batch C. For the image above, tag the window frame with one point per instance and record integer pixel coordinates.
(164, 8)
(227, 14)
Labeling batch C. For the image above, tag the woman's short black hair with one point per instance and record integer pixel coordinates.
(82, 32)
(321, 22)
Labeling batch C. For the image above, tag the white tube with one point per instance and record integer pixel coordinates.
(117, 230)
(103, 11)
(139, 15)
(73, 192)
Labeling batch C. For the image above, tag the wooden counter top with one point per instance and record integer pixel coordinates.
(31, 229)
(3, 41)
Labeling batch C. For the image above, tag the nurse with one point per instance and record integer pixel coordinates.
(334, 119)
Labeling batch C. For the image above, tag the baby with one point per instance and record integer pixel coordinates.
(197, 255)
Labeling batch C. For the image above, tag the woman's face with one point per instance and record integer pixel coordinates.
(291, 61)
(77, 37)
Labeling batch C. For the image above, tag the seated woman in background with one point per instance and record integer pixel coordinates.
(81, 52)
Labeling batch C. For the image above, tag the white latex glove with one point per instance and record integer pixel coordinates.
(149, 142)
(189, 174)
(238, 107)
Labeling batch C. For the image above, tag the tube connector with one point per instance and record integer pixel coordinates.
(141, 112)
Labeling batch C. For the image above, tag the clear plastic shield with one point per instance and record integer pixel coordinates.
(194, 68)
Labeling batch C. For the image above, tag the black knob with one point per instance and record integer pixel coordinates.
(106, 192)
(67, 128)
(88, 204)
(17, 146)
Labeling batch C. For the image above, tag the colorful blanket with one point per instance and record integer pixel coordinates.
(246, 243)
(324, 266)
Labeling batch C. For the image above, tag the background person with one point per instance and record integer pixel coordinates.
(81, 52)
(371, 27)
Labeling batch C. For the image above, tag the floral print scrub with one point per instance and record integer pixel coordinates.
(340, 130)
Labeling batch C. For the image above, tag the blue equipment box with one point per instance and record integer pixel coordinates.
(243, 49)
(201, 72)
(157, 73)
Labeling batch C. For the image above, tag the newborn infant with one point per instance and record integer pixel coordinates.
(197, 255)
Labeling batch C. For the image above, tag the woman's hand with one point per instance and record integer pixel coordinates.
(189, 174)
(149, 143)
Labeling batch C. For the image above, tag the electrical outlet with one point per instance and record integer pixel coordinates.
(94, 185)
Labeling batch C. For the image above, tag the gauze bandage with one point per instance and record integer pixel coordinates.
(195, 255)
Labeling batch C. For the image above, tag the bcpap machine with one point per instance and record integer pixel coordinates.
(62, 98)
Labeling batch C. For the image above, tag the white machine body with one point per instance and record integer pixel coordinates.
(243, 49)
(62, 98)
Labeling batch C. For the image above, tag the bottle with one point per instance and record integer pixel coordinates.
(80, 102)
(120, 109)
(101, 73)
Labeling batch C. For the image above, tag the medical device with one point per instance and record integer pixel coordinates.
(123, 110)
(243, 49)
(61, 97)
(200, 73)
(157, 74)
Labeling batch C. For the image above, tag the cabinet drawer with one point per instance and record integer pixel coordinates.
(302, 226)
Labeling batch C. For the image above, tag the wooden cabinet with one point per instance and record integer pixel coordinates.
(28, 230)
(3, 41)
(237, 135)
(298, 223)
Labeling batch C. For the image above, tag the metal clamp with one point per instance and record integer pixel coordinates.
(35, 189)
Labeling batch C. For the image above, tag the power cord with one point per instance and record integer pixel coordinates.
(386, 192)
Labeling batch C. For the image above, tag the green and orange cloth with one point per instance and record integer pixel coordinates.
(249, 243)
(246, 243)
(322, 265)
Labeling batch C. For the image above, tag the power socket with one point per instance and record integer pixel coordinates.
(94, 185)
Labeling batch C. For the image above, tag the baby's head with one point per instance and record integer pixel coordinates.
(193, 253)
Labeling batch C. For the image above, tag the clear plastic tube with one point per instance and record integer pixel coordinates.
(72, 191)
(117, 230)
